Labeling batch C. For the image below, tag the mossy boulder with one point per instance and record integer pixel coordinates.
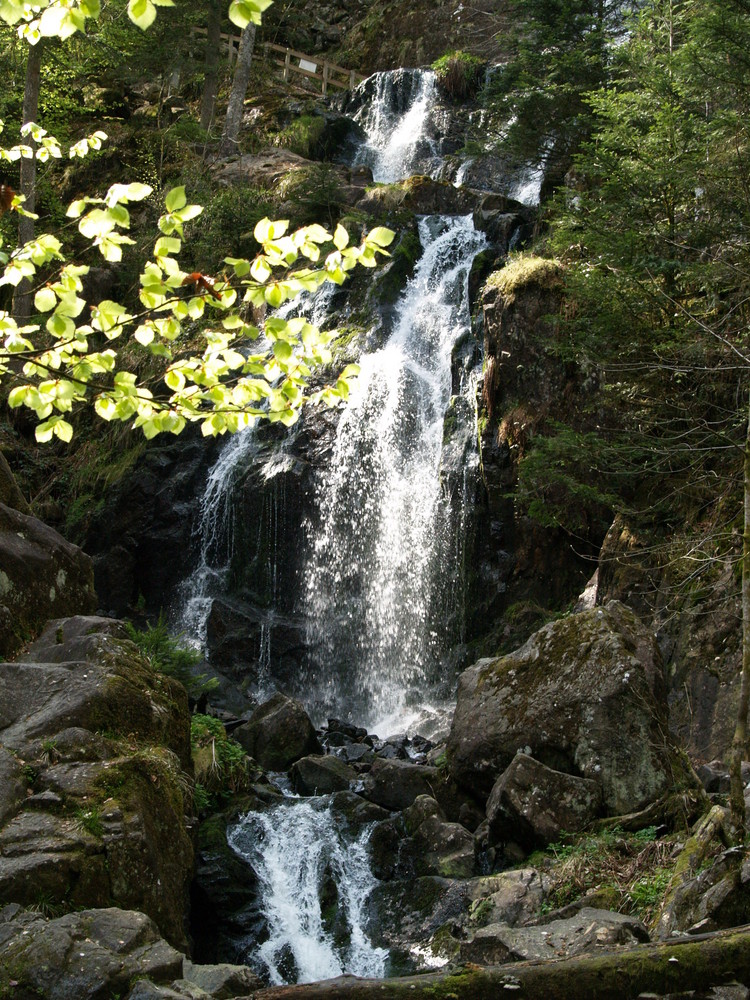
(317, 775)
(585, 695)
(101, 744)
(531, 804)
(42, 576)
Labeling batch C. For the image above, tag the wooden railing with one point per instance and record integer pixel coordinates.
(327, 74)
(292, 63)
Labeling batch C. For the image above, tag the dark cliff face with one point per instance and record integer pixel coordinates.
(525, 570)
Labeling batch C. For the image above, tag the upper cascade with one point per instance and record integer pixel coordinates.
(394, 108)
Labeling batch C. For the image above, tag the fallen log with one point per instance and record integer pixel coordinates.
(684, 964)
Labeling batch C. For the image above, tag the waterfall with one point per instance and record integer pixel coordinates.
(396, 121)
(315, 881)
(380, 550)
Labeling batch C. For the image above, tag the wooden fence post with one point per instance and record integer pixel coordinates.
(325, 78)
(287, 65)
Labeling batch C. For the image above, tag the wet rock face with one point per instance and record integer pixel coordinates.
(96, 766)
(585, 695)
(42, 576)
(140, 539)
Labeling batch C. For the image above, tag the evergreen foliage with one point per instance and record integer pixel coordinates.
(168, 655)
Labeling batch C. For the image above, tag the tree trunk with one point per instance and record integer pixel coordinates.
(739, 742)
(211, 72)
(22, 296)
(233, 122)
(684, 964)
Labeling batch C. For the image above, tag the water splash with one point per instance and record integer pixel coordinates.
(303, 861)
(380, 552)
(396, 120)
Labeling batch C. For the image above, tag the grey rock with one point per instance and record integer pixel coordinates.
(445, 849)
(531, 804)
(317, 775)
(511, 898)
(408, 912)
(588, 931)
(105, 825)
(10, 493)
(43, 576)
(278, 734)
(715, 775)
(715, 898)
(222, 982)
(85, 955)
(12, 785)
(422, 808)
(395, 784)
(356, 810)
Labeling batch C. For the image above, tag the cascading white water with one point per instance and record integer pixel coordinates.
(298, 851)
(215, 535)
(375, 568)
(395, 121)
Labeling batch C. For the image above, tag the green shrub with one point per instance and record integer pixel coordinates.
(459, 75)
(221, 764)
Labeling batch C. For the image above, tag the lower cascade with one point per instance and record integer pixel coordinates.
(314, 881)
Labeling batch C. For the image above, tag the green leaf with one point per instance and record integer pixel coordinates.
(266, 230)
(282, 351)
(136, 191)
(167, 245)
(142, 13)
(176, 199)
(244, 12)
(44, 300)
(340, 237)
(260, 270)
(381, 236)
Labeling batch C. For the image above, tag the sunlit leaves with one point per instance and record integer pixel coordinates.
(221, 385)
(244, 12)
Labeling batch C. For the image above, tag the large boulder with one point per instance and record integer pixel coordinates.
(42, 576)
(585, 695)
(316, 775)
(395, 784)
(100, 745)
(511, 897)
(278, 734)
(531, 804)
